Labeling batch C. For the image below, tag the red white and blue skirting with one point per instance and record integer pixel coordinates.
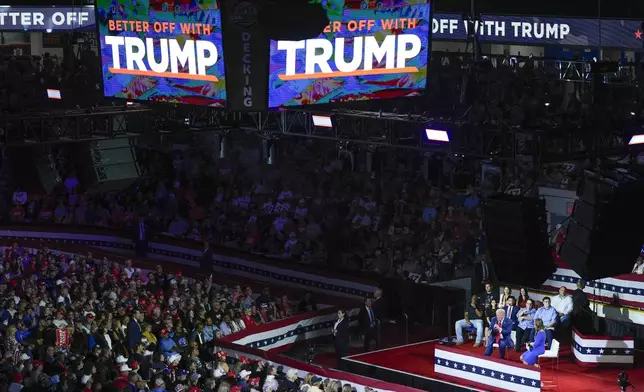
(467, 369)
(593, 351)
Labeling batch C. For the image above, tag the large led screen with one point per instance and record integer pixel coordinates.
(369, 50)
(162, 51)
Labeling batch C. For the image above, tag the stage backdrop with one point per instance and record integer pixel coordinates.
(152, 50)
(363, 54)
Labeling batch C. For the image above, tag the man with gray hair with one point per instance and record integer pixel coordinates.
(500, 333)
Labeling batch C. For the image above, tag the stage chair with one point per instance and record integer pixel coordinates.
(553, 354)
(513, 336)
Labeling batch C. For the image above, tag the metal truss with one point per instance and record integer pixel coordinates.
(73, 126)
(552, 69)
(373, 130)
(361, 129)
(577, 144)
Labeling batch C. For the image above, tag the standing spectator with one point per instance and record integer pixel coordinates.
(367, 323)
(134, 331)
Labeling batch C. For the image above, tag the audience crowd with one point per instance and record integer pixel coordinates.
(395, 225)
(73, 323)
(24, 81)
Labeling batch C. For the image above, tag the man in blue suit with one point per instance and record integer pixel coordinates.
(500, 333)
(511, 311)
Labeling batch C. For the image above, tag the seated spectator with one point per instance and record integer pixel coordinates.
(638, 268)
(549, 316)
(500, 334)
(473, 318)
(525, 328)
(511, 311)
(563, 305)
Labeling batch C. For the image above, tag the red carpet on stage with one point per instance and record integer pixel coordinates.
(418, 359)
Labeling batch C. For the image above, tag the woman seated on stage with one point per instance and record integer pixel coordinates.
(489, 314)
(538, 347)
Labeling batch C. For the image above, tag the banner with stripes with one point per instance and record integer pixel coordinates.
(185, 255)
(468, 368)
(278, 336)
(591, 351)
(629, 288)
(618, 298)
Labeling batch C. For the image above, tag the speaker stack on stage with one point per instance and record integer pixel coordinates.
(517, 239)
(606, 230)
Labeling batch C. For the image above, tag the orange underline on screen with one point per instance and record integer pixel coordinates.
(363, 72)
(207, 78)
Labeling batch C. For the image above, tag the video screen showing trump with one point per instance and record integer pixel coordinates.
(369, 50)
(162, 51)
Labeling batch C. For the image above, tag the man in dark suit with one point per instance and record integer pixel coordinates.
(134, 330)
(379, 306)
(500, 333)
(341, 337)
(511, 311)
(368, 324)
(482, 272)
(582, 315)
(142, 234)
(207, 258)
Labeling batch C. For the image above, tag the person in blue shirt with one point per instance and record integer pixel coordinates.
(538, 347)
(167, 345)
(209, 330)
(549, 316)
(525, 328)
(22, 333)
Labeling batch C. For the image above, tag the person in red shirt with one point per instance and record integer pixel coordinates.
(248, 318)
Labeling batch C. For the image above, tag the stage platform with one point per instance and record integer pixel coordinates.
(413, 365)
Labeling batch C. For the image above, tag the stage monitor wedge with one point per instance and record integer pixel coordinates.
(517, 239)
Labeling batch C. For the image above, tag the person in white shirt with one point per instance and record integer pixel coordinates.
(129, 270)
(638, 268)
(563, 305)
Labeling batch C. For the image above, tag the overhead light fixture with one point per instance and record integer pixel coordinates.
(322, 121)
(437, 135)
(636, 140)
(54, 94)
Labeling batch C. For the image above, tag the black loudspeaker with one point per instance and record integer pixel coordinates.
(605, 233)
(517, 239)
